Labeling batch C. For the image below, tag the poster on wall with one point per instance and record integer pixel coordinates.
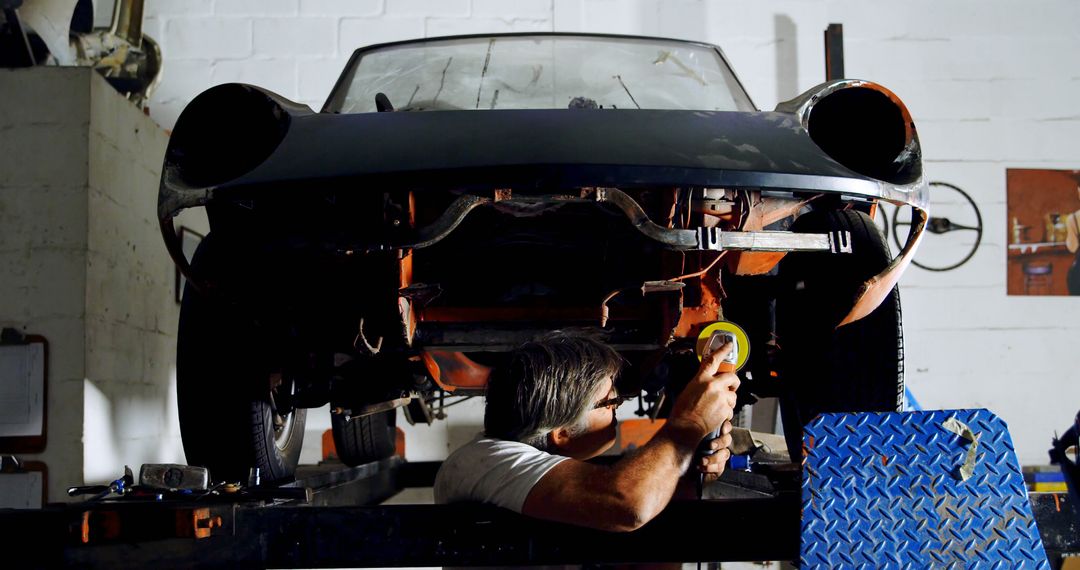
(1044, 238)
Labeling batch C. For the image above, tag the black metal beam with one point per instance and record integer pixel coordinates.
(297, 536)
(834, 52)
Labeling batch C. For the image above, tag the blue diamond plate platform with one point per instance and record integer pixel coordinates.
(885, 490)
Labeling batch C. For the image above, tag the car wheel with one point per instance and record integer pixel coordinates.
(226, 388)
(856, 368)
(364, 439)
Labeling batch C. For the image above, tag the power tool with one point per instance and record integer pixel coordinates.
(719, 334)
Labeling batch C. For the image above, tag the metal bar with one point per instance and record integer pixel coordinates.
(714, 239)
(368, 484)
(698, 239)
(834, 52)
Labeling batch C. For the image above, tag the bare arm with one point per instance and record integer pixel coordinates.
(628, 494)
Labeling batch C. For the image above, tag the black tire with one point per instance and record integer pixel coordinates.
(223, 388)
(856, 368)
(364, 439)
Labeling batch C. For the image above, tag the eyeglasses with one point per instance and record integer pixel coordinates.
(613, 402)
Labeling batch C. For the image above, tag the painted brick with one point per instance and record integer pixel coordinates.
(359, 32)
(157, 8)
(338, 8)
(184, 79)
(208, 38)
(1040, 140)
(154, 28)
(611, 16)
(568, 15)
(295, 36)
(945, 99)
(317, 77)
(165, 113)
(256, 8)
(961, 140)
(425, 8)
(1049, 98)
(528, 9)
(277, 75)
(459, 26)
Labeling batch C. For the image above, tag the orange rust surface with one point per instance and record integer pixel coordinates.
(399, 442)
(405, 270)
(637, 432)
(453, 370)
(329, 450)
(433, 369)
(412, 209)
(874, 291)
(693, 319)
(752, 262)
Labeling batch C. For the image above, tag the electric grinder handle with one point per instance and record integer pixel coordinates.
(717, 340)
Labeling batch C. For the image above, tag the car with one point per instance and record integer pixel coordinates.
(455, 197)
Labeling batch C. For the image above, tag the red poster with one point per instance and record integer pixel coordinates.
(1044, 213)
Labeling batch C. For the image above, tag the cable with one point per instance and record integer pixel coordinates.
(702, 272)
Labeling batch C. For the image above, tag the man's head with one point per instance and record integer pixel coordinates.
(547, 395)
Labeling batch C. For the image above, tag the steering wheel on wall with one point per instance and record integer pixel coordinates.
(948, 203)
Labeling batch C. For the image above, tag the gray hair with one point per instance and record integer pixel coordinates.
(547, 384)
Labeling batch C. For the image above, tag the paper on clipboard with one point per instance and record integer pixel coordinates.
(22, 390)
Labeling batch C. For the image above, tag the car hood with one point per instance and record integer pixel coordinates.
(555, 148)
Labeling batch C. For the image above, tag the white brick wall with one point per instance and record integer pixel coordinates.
(82, 263)
(991, 83)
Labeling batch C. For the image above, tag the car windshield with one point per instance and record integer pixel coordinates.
(540, 72)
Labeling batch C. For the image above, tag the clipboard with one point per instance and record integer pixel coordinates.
(20, 485)
(23, 372)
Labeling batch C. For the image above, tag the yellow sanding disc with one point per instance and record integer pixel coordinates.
(740, 337)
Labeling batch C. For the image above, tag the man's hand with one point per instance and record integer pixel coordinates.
(708, 400)
(712, 466)
(636, 488)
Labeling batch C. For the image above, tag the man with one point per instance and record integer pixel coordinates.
(553, 407)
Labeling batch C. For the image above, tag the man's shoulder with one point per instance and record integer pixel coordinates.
(492, 470)
(482, 447)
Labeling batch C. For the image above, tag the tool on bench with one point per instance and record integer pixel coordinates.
(119, 487)
(170, 476)
(712, 339)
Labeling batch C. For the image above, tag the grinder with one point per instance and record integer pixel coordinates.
(711, 339)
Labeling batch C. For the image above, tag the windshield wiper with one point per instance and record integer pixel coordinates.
(483, 73)
(631, 95)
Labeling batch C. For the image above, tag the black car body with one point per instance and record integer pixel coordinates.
(391, 248)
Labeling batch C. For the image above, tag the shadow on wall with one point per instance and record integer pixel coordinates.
(128, 425)
(683, 20)
(787, 57)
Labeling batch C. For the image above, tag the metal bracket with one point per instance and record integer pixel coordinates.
(713, 239)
